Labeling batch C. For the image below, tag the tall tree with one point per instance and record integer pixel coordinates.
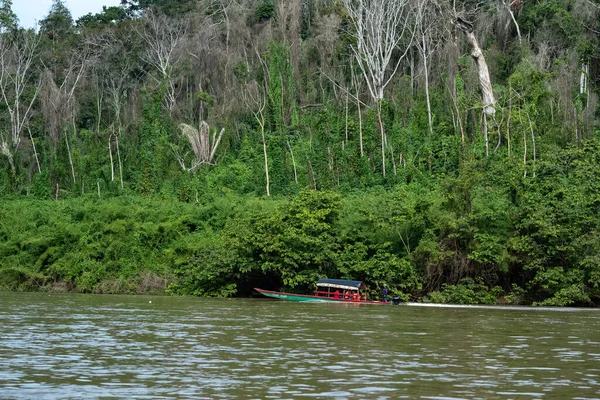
(485, 82)
(430, 30)
(163, 36)
(379, 26)
(17, 56)
(58, 23)
(256, 100)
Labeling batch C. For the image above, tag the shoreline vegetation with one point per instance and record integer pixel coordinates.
(450, 150)
(506, 248)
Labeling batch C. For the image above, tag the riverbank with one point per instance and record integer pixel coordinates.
(410, 237)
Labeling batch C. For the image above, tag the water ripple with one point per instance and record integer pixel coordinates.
(70, 346)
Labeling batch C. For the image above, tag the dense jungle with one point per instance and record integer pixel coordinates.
(447, 148)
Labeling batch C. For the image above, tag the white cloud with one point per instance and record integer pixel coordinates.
(32, 11)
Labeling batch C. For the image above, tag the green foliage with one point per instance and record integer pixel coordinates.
(108, 16)
(516, 296)
(206, 98)
(453, 216)
(467, 291)
(58, 23)
(172, 8)
(574, 294)
(20, 279)
(155, 161)
(555, 16)
(265, 10)
(8, 19)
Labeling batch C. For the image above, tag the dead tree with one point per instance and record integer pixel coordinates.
(59, 105)
(115, 82)
(379, 26)
(485, 83)
(17, 55)
(289, 14)
(510, 6)
(256, 101)
(163, 36)
(428, 38)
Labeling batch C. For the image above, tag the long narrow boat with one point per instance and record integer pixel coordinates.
(329, 291)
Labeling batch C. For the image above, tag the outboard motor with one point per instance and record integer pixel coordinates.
(396, 300)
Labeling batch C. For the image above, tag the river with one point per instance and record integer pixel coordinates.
(57, 346)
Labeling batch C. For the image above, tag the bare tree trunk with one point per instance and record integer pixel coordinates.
(458, 118)
(498, 126)
(532, 143)
(485, 83)
(583, 79)
(524, 148)
(37, 160)
(99, 96)
(360, 132)
(383, 138)
(514, 20)
(412, 75)
(69, 153)
(119, 158)
(508, 119)
(256, 101)
(6, 151)
(427, 99)
(264, 140)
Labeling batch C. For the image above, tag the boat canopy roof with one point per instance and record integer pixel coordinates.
(341, 284)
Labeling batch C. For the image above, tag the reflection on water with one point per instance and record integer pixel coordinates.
(76, 346)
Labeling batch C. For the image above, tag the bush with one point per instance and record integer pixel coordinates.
(468, 291)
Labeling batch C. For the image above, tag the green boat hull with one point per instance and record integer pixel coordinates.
(293, 297)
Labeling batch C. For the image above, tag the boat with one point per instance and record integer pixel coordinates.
(330, 291)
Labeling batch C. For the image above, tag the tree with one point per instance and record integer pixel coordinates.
(17, 55)
(485, 83)
(8, 19)
(379, 28)
(58, 23)
(256, 100)
(59, 104)
(428, 38)
(163, 35)
(108, 16)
